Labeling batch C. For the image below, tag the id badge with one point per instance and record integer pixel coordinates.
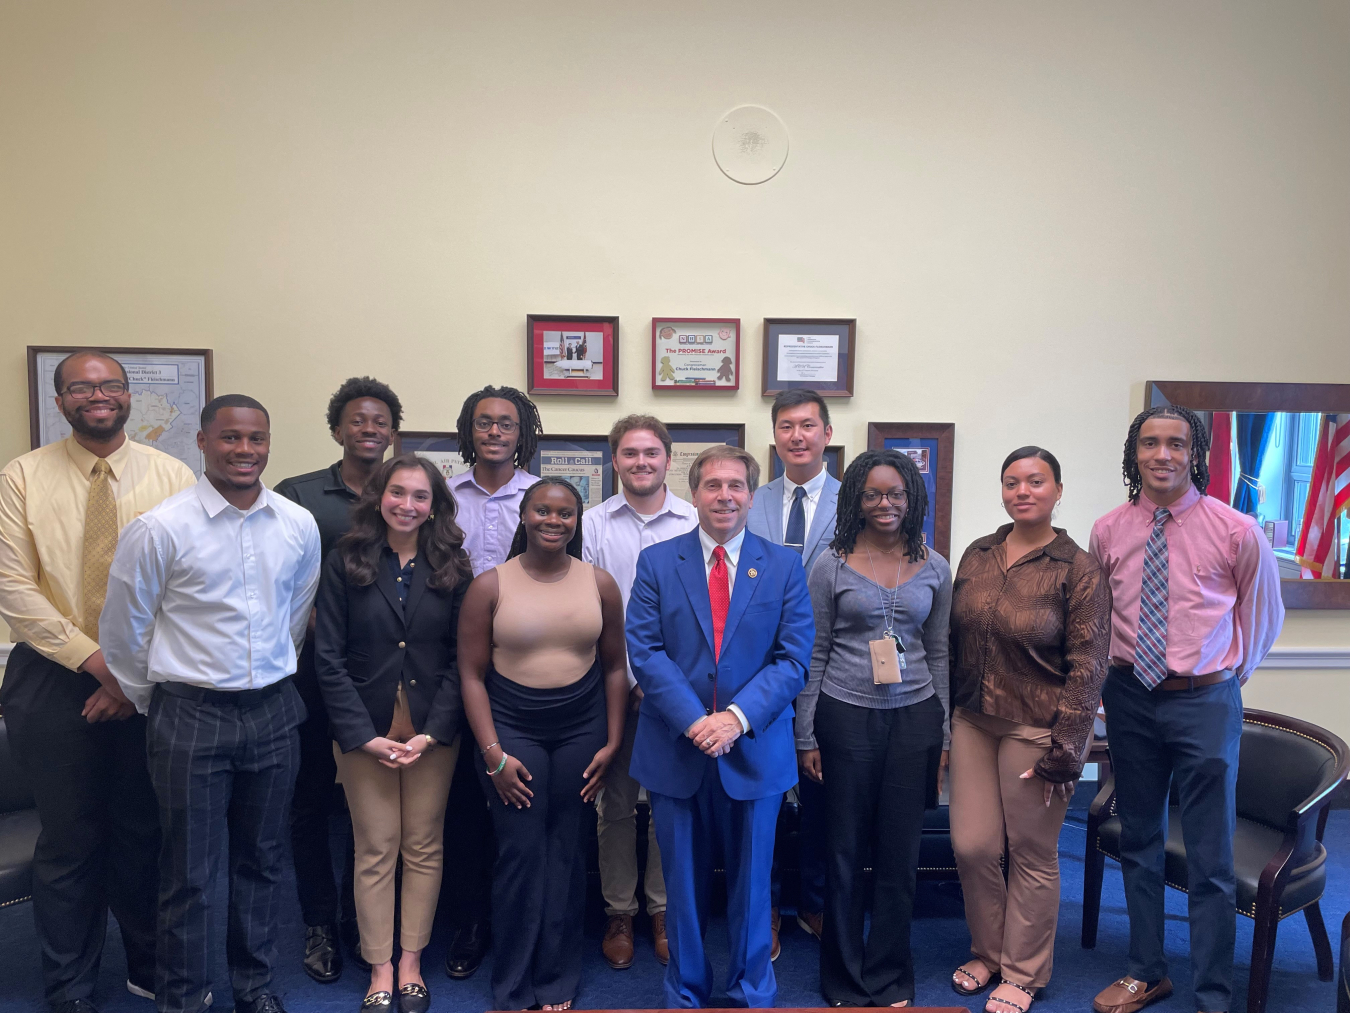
(886, 661)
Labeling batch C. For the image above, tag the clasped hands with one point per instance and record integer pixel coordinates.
(393, 754)
(714, 734)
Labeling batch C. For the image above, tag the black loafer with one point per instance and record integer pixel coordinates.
(468, 947)
(378, 1002)
(351, 939)
(323, 954)
(265, 1003)
(413, 998)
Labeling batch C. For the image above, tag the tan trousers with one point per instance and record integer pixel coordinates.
(616, 826)
(1012, 925)
(397, 812)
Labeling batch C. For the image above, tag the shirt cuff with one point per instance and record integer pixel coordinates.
(77, 651)
(740, 716)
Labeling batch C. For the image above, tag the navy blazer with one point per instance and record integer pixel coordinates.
(766, 518)
(366, 642)
(766, 653)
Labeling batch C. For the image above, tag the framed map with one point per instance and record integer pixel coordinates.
(169, 388)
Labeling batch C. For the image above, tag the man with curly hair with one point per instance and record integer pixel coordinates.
(1195, 606)
(363, 416)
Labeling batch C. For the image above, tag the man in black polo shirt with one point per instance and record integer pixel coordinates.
(363, 417)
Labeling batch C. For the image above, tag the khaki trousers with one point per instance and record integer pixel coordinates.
(1012, 925)
(616, 826)
(397, 812)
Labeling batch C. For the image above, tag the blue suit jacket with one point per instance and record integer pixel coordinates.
(766, 518)
(766, 653)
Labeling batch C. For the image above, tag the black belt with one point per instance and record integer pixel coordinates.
(222, 697)
(1178, 682)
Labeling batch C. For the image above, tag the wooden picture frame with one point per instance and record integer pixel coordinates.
(585, 461)
(696, 353)
(586, 337)
(1205, 396)
(835, 461)
(695, 437)
(845, 333)
(933, 439)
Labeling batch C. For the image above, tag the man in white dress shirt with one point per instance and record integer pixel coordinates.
(643, 513)
(797, 510)
(208, 600)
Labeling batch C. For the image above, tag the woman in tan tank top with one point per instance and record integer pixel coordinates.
(544, 676)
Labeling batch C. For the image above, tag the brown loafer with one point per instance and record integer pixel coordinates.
(659, 941)
(1128, 995)
(618, 942)
(774, 925)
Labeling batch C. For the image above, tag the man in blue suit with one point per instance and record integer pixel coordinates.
(798, 510)
(720, 632)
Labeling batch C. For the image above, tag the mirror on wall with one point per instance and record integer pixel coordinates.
(1280, 452)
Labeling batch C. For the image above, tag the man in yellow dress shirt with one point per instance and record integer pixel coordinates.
(78, 739)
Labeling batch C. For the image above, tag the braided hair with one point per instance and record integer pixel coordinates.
(531, 428)
(1134, 481)
(849, 518)
(519, 540)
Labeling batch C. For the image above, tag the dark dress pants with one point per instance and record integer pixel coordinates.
(99, 846)
(315, 802)
(1189, 737)
(223, 766)
(880, 773)
(810, 850)
(470, 844)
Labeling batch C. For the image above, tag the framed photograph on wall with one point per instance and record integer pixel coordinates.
(696, 353)
(689, 439)
(815, 354)
(585, 461)
(835, 462)
(931, 446)
(441, 449)
(169, 388)
(572, 354)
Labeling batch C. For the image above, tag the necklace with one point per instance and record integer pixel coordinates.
(889, 552)
(888, 597)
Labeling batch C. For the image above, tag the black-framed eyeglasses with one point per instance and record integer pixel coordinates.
(84, 391)
(871, 497)
(483, 424)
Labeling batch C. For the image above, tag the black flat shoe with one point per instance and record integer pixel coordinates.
(413, 998)
(468, 947)
(265, 1003)
(323, 954)
(378, 1002)
(351, 939)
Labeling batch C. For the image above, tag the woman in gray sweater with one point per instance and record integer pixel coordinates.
(872, 723)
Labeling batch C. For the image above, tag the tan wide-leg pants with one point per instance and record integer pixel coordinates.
(1012, 925)
(616, 824)
(397, 812)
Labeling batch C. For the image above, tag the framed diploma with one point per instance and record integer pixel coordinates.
(585, 461)
(696, 353)
(834, 461)
(441, 449)
(814, 354)
(572, 355)
(688, 440)
(930, 445)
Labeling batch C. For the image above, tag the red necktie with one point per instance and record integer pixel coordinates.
(719, 593)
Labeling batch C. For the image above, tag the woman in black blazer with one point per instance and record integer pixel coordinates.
(388, 609)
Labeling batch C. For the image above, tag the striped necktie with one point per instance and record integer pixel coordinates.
(1150, 656)
(100, 542)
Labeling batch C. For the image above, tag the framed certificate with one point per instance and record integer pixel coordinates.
(572, 355)
(441, 449)
(688, 440)
(585, 461)
(930, 445)
(834, 461)
(169, 389)
(696, 353)
(814, 354)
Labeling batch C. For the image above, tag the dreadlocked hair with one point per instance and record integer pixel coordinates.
(849, 521)
(531, 428)
(1134, 481)
(519, 541)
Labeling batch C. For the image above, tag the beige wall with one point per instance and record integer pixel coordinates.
(1031, 208)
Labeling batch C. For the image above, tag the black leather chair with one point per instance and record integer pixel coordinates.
(1286, 773)
(19, 828)
(1343, 982)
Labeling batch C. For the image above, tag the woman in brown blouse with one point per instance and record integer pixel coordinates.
(1030, 628)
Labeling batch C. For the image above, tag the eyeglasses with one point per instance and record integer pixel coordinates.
(483, 425)
(83, 391)
(871, 497)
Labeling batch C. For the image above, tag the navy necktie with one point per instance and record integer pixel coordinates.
(796, 528)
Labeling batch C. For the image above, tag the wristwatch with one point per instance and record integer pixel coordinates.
(430, 741)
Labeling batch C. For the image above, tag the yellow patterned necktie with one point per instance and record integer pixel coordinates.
(100, 542)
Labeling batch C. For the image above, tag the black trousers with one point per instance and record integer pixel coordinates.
(99, 846)
(470, 844)
(539, 883)
(223, 766)
(314, 804)
(880, 773)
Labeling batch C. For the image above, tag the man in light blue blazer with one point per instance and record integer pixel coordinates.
(798, 510)
(719, 631)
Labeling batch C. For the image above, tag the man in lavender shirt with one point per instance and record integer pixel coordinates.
(499, 429)
(1195, 607)
(643, 513)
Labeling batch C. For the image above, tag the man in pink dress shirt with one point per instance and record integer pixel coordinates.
(1195, 607)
